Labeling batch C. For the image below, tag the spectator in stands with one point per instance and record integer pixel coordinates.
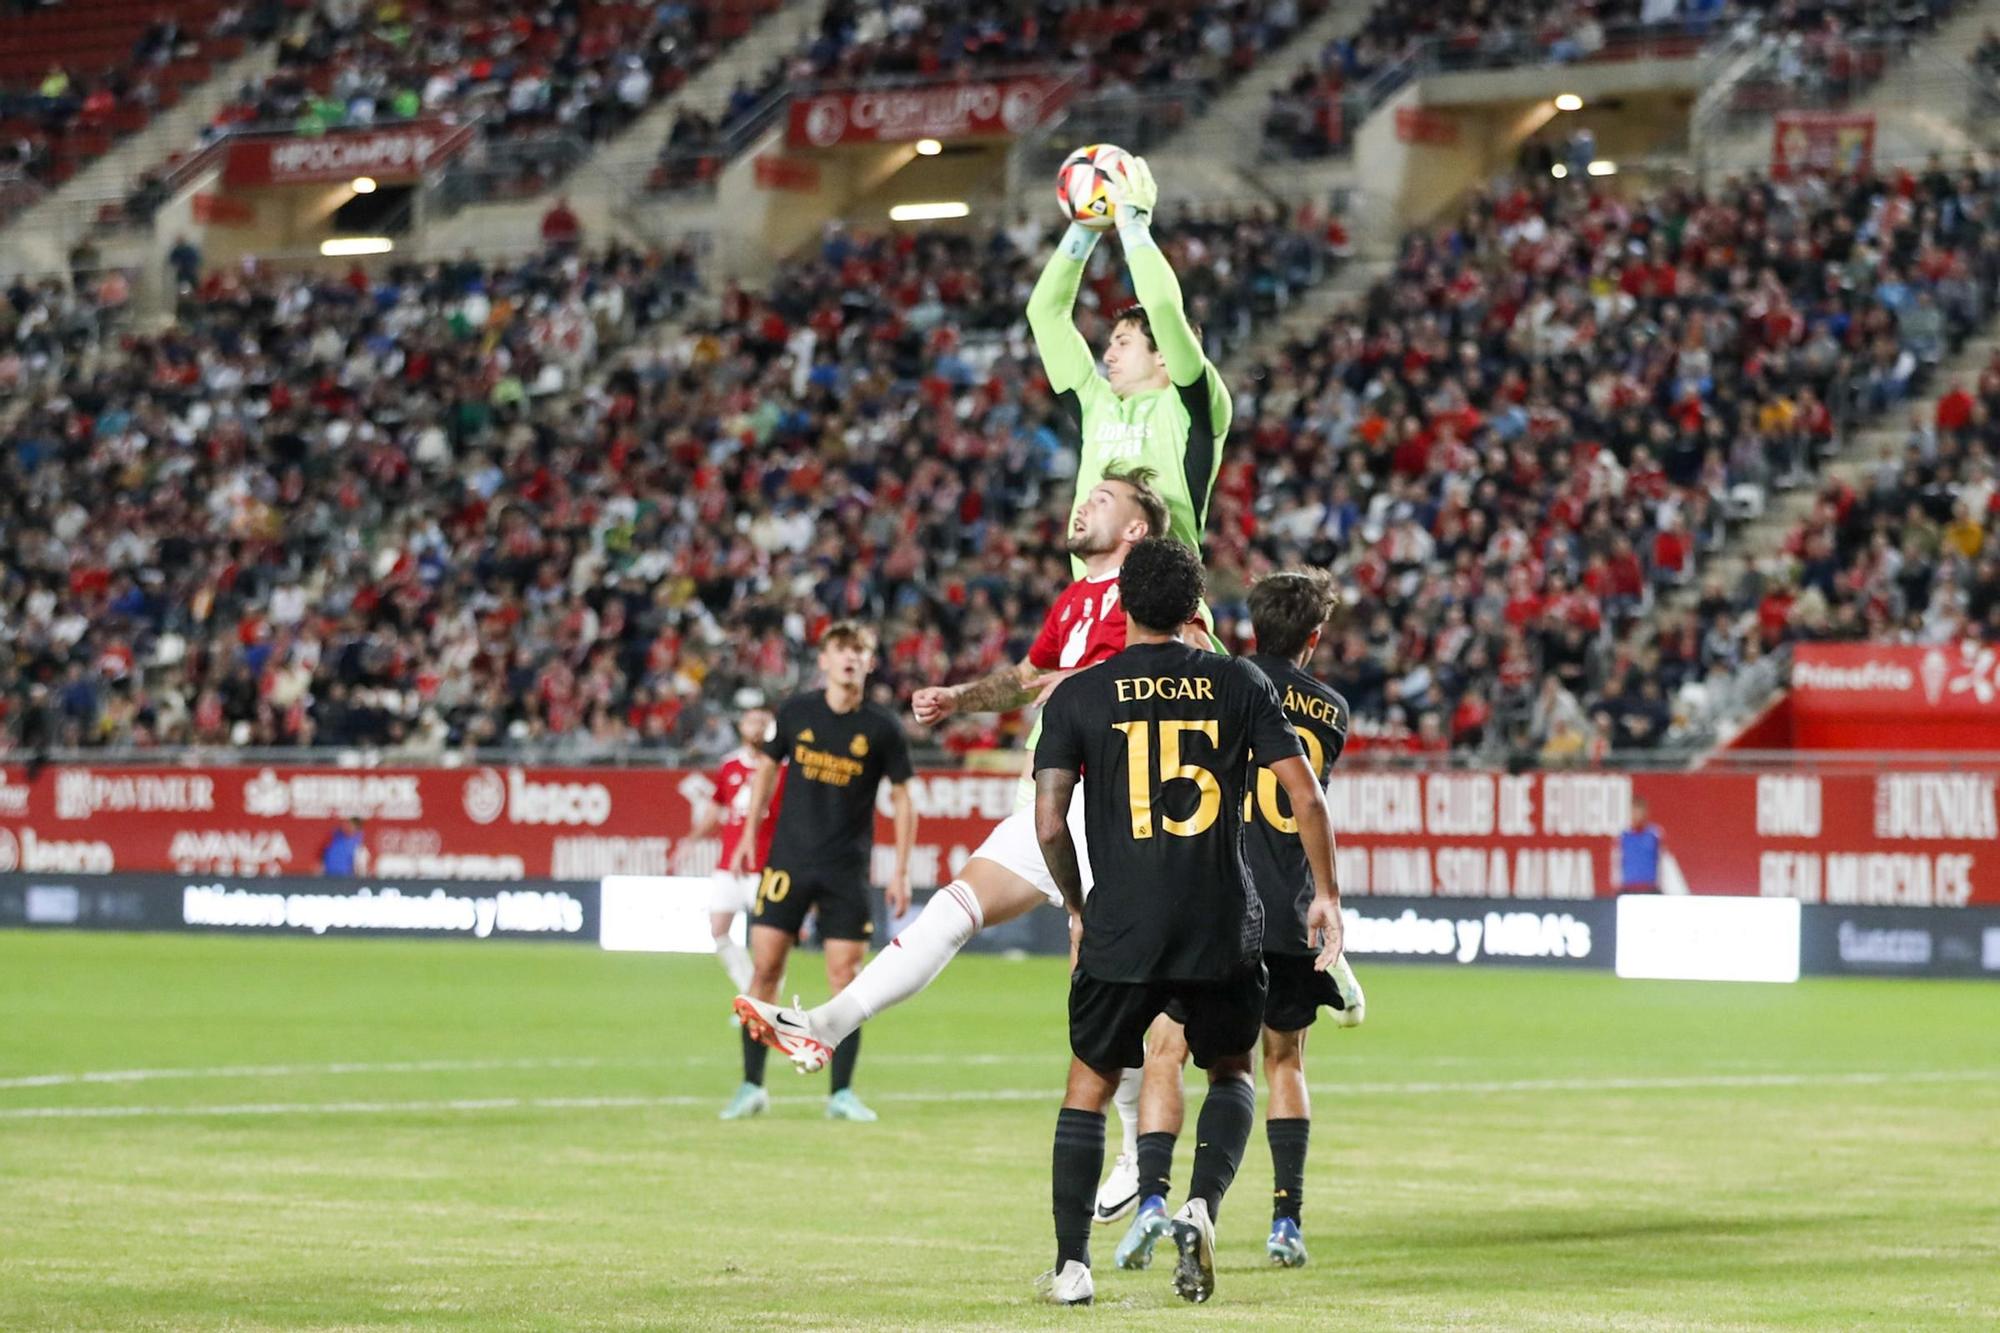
(562, 230)
(184, 262)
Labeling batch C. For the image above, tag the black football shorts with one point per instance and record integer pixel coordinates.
(1297, 992)
(842, 894)
(1108, 1019)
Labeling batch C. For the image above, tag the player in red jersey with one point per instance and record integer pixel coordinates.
(1007, 876)
(727, 810)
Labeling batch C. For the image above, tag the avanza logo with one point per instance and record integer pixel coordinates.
(487, 795)
(229, 852)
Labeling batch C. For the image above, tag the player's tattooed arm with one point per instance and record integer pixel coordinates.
(1053, 788)
(1000, 692)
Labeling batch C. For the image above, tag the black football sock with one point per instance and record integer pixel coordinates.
(1288, 1165)
(1079, 1157)
(1156, 1164)
(1219, 1139)
(754, 1052)
(844, 1056)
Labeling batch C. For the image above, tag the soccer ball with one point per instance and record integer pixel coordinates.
(1082, 181)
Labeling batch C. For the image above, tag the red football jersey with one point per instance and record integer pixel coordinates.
(732, 793)
(1085, 626)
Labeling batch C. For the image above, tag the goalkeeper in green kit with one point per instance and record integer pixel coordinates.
(1160, 403)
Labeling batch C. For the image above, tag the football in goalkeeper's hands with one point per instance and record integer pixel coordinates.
(1083, 184)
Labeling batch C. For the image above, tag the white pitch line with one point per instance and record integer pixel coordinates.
(460, 1067)
(291, 1071)
(1049, 1093)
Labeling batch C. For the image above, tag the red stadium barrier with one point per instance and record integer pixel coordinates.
(1903, 838)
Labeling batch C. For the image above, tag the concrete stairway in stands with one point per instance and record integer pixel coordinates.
(37, 240)
(1216, 157)
(1860, 450)
(607, 191)
(1928, 101)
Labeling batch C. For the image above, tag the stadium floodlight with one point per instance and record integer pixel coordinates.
(362, 185)
(1603, 166)
(929, 212)
(1559, 171)
(340, 246)
(929, 148)
(1568, 102)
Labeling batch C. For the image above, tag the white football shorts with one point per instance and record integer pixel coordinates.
(731, 893)
(1013, 844)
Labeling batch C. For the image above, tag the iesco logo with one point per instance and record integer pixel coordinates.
(487, 795)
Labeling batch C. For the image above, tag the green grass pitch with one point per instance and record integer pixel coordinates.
(307, 1134)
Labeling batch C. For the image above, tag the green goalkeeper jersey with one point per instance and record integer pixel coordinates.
(1176, 431)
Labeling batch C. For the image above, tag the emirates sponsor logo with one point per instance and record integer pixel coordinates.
(82, 793)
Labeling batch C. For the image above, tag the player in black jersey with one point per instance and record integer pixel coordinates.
(1288, 611)
(840, 748)
(1162, 735)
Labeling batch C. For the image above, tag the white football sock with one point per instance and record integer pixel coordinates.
(1126, 1099)
(735, 960)
(911, 962)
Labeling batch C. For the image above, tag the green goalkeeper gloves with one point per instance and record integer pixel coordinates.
(1133, 194)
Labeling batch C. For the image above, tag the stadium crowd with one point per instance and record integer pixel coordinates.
(585, 70)
(1809, 55)
(1536, 428)
(1122, 47)
(1545, 419)
(434, 507)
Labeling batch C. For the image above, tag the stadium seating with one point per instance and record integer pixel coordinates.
(1546, 418)
(1809, 55)
(586, 558)
(1139, 44)
(1521, 453)
(78, 74)
(584, 71)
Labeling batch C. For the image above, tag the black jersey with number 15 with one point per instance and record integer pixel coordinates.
(1277, 858)
(1162, 734)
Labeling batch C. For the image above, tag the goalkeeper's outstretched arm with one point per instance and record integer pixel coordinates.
(1065, 355)
(1153, 280)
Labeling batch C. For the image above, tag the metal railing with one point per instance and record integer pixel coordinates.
(694, 168)
(496, 170)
